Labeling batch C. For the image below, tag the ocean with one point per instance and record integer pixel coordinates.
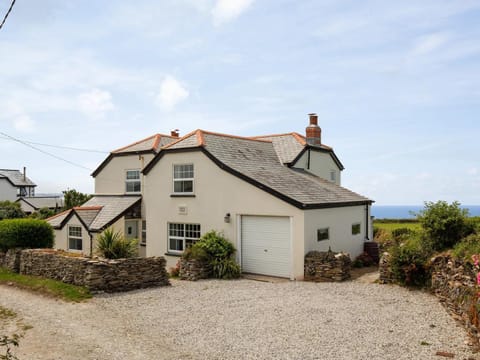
(405, 211)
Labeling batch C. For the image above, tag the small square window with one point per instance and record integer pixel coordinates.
(356, 229)
(322, 234)
(333, 176)
(132, 181)
(183, 176)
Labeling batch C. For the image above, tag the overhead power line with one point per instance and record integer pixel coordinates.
(8, 13)
(59, 146)
(45, 152)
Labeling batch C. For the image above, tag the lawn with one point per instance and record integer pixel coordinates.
(44, 286)
(390, 226)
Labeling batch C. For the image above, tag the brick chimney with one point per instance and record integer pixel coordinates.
(313, 131)
(174, 133)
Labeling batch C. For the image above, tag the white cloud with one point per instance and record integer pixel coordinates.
(24, 123)
(473, 171)
(95, 103)
(429, 43)
(171, 93)
(227, 10)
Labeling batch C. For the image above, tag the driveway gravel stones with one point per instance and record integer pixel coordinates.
(241, 319)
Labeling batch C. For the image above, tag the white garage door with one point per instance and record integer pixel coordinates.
(266, 245)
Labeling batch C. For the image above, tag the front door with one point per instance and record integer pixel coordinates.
(131, 229)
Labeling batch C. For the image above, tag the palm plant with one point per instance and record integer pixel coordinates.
(112, 245)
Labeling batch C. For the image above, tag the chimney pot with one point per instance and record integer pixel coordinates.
(24, 173)
(174, 133)
(313, 119)
(313, 131)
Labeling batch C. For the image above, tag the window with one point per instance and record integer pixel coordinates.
(183, 179)
(322, 234)
(132, 181)
(182, 236)
(355, 229)
(144, 232)
(74, 238)
(333, 176)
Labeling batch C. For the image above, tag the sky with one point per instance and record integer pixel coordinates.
(395, 84)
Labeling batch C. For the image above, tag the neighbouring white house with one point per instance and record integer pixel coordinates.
(275, 197)
(30, 205)
(14, 184)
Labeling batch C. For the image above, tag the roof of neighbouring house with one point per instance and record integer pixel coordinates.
(16, 178)
(97, 213)
(151, 144)
(38, 202)
(256, 160)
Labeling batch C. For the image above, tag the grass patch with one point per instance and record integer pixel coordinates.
(390, 226)
(44, 286)
(6, 313)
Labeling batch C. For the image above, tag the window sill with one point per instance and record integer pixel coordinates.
(172, 254)
(182, 195)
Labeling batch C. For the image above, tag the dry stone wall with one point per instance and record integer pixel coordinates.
(95, 274)
(326, 266)
(454, 283)
(194, 270)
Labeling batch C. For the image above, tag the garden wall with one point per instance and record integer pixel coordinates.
(95, 274)
(454, 283)
(326, 266)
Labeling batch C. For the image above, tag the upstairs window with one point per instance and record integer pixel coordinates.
(333, 175)
(183, 179)
(75, 238)
(132, 181)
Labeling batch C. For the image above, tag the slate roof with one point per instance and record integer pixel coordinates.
(97, 213)
(256, 161)
(43, 201)
(287, 146)
(151, 143)
(16, 178)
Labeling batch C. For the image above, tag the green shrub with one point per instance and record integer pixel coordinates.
(10, 210)
(444, 224)
(409, 262)
(402, 233)
(467, 247)
(215, 245)
(216, 251)
(112, 245)
(25, 233)
(226, 268)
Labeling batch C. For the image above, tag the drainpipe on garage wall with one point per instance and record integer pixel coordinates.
(91, 244)
(367, 232)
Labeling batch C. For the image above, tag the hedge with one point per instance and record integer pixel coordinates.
(25, 233)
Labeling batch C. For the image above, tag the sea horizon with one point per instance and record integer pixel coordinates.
(409, 211)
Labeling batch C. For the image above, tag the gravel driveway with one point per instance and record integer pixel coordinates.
(243, 319)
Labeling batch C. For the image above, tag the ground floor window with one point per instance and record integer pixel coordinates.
(323, 234)
(182, 236)
(74, 238)
(355, 229)
(144, 232)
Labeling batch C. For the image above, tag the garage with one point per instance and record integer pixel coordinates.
(265, 245)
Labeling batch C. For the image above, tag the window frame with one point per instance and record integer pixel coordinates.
(143, 238)
(182, 239)
(76, 237)
(133, 181)
(176, 180)
(323, 230)
(333, 176)
(355, 225)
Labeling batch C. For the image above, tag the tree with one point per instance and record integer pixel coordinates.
(74, 198)
(10, 210)
(444, 224)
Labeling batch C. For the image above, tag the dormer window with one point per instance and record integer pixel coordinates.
(132, 181)
(183, 179)
(333, 175)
